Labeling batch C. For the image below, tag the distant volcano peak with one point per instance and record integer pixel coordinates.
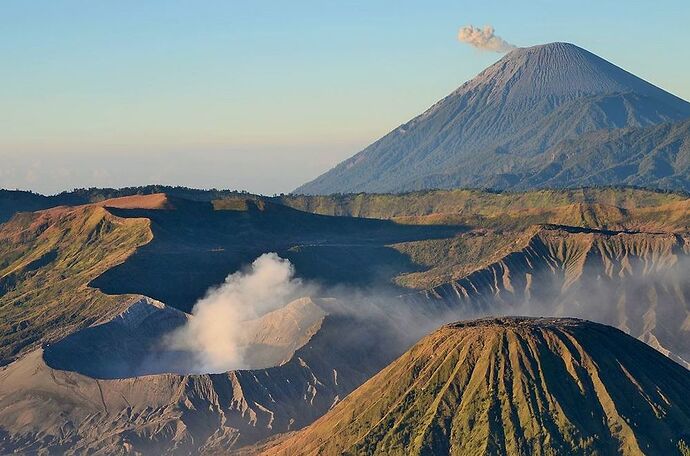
(495, 131)
(561, 70)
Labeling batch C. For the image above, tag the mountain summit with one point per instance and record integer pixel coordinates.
(498, 130)
(512, 386)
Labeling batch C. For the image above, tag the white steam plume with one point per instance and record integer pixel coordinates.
(214, 335)
(484, 39)
(218, 333)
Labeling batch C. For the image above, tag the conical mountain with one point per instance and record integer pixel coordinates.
(496, 130)
(512, 386)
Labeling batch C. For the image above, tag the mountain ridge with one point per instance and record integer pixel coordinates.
(66, 254)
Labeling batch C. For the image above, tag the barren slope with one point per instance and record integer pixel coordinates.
(43, 409)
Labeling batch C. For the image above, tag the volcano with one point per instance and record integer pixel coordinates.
(508, 127)
(512, 386)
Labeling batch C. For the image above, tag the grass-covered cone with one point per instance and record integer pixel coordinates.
(513, 386)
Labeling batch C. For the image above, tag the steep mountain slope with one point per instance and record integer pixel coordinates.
(47, 259)
(637, 282)
(131, 344)
(657, 156)
(494, 130)
(512, 386)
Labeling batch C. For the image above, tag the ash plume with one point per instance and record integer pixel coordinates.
(484, 39)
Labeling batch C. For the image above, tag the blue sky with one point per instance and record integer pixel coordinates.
(264, 95)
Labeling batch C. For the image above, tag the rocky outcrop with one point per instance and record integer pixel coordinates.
(637, 282)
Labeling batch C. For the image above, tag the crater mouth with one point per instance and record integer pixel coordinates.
(129, 345)
(137, 341)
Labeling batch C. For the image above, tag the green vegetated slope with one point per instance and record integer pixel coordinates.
(658, 155)
(47, 260)
(587, 207)
(512, 386)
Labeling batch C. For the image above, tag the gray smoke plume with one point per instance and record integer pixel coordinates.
(484, 39)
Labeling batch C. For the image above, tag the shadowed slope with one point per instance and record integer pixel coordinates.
(13, 201)
(512, 386)
(197, 244)
(656, 156)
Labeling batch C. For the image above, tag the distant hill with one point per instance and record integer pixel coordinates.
(512, 386)
(505, 129)
(13, 201)
(372, 205)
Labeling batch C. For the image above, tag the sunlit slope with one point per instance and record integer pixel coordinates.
(47, 260)
(512, 386)
(604, 208)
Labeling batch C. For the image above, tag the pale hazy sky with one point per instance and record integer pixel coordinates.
(265, 95)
